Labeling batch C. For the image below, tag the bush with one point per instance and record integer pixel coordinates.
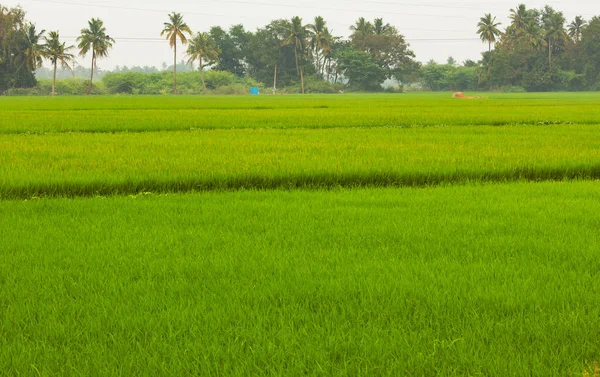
(394, 89)
(572, 81)
(70, 87)
(512, 89)
(313, 84)
(218, 82)
(125, 83)
(231, 89)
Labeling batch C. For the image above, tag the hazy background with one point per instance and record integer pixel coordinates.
(435, 29)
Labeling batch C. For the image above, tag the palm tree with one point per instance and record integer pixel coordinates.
(520, 18)
(326, 45)
(379, 28)
(576, 28)
(321, 41)
(361, 30)
(488, 29)
(94, 39)
(554, 25)
(57, 52)
(296, 35)
(34, 52)
(203, 48)
(533, 35)
(175, 29)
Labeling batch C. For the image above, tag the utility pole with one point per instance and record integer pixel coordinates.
(275, 80)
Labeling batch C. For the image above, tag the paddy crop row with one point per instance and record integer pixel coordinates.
(494, 280)
(138, 114)
(97, 164)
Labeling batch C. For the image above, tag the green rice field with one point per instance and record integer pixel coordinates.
(139, 113)
(340, 235)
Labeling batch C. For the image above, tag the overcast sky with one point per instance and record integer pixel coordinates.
(435, 29)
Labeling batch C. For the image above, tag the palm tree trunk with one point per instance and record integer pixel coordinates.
(550, 54)
(92, 74)
(318, 61)
(175, 67)
(302, 79)
(54, 79)
(202, 74)
(490, 46)
(296, 55)
(275, 80)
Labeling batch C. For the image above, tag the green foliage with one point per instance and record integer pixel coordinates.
(314, 84)
(231, 44)
(264, 52)
(188, 83)
(361, 70)
(538, 53)
(512, 89)
(70, 87)
(94, 39)
(387, 47)
(435, 76)
(127, 83)
(16, 59)
(447, 77)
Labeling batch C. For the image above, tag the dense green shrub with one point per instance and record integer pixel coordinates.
(69, 87)
(313, 84)
(218, 82)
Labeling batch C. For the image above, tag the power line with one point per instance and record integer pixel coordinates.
(262, 4)
(144, 39)
(362, 2)
(206, 14)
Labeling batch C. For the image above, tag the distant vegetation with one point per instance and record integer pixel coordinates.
(538, 51)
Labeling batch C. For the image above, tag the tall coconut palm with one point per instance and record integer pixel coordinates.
(34, 51)
(96, 40)
(57, 53)
(175, 29)
(554, 26)
(520, 18)
(576, 28)
(379, 28)
(533, 35)
(297, 36)
(488, 29)
(320, 41)
(361, 30)
(204, 49)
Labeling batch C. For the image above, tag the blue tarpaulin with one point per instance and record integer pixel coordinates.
(254, 91)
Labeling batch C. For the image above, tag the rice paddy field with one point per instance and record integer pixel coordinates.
(340, 235)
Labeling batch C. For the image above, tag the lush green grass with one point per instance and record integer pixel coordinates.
(90, 164)
(496, 280)
(116, 114)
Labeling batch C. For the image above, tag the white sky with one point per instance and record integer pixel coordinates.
(423, 23)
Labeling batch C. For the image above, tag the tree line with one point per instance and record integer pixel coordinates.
(537, 51)
(540, 51)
